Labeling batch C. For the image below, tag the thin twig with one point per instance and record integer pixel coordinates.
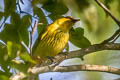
(112, 37)
(116, 38)
(31, 34)
(107, 10)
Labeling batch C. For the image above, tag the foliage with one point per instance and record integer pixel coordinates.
(78, 39)
(15, 25)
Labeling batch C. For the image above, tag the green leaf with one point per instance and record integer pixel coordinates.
(3, 50)
(55, 7)
(118, 6)
(82, 4)
(13, 49)
(10, 6)
(77, 38)
(107, 3)
(35, 2)
(26, 21)
(10, 33)
(5, 73)
(19, 66)
(21, 26)
(4, 61)
(23, 29)
(54, 17)
(67, 47)
(26, 57)
(1, 15)
(4, 77)
(15, 19)
(78, 31)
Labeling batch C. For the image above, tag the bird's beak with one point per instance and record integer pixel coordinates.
(75, 20)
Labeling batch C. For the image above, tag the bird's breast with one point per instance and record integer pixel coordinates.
(52, 43)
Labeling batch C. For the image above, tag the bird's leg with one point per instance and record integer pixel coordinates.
(51, 58)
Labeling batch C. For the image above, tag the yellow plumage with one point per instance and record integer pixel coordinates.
(54, 38)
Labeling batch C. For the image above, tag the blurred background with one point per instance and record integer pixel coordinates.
(94, 22)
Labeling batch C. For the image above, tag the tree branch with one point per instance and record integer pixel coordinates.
(86, 67)
(75, 54)
(94, 48)
(82, 52)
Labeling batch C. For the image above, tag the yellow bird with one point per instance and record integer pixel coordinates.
(54, 38)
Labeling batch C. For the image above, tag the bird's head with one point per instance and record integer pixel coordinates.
(65, 23)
